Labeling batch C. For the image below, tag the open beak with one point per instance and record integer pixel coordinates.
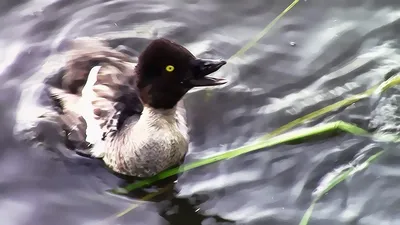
(202, 68)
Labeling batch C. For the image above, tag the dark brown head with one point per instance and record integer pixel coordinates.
(167, 71)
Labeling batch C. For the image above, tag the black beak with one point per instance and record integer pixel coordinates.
(203, 67)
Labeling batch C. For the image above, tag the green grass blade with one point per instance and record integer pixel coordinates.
(318, 113)
(395, 80)
(255, 39)
(335, 181)
(350, 128)
(307, 216)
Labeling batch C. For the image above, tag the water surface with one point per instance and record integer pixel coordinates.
(320, 52)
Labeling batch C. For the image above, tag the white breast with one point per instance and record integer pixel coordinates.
(157, 141)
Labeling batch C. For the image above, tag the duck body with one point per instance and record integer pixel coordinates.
(160, 141)
(130, 112)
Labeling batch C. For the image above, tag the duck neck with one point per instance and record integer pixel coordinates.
(152, 116)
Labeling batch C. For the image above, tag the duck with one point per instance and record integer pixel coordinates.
(129, 110)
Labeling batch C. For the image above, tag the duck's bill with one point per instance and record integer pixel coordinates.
(207, 81)
(202, 68)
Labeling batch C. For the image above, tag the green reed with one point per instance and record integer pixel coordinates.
(276, 137)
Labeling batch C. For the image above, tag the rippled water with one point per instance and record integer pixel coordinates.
(320, 52)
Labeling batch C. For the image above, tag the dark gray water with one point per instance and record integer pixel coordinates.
(320, 52)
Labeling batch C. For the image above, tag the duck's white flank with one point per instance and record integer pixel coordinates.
(93, 129)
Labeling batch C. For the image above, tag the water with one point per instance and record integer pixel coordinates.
(320, 52)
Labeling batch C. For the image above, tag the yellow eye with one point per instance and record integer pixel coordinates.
(169, 68)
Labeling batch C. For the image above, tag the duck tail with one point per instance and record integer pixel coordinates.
(84, 54)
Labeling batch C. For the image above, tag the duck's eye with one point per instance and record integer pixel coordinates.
(169, 68)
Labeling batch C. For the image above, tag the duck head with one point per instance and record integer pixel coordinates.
(167, 71)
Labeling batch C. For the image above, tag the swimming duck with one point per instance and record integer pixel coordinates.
(129, 111)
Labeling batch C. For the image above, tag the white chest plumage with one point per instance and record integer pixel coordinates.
(158, 140)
